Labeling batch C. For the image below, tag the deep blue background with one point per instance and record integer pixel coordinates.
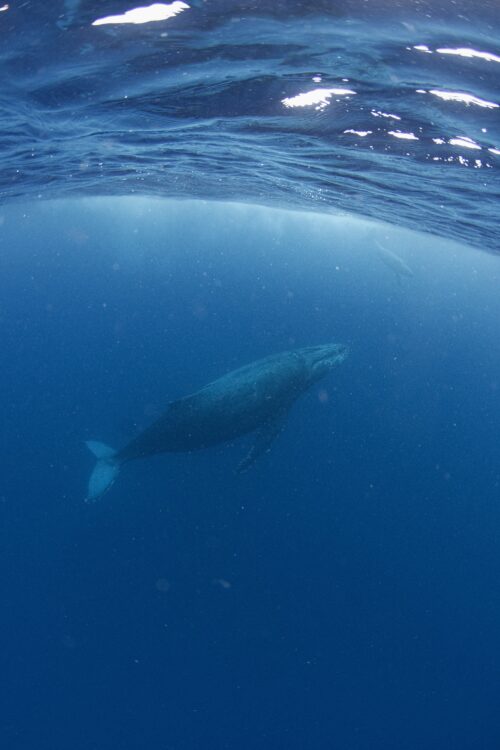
(344, 593)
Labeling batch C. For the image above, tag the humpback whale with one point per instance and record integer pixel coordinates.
(254, 398)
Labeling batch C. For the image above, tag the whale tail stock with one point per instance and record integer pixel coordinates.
(105, 471)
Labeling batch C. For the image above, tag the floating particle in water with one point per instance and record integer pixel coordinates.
(222, 583)
(323, 396)
(162, 585)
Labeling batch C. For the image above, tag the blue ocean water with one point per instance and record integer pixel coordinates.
(182, 197)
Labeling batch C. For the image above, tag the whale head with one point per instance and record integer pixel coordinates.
(321, 359)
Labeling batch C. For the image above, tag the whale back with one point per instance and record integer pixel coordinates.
(234, 404)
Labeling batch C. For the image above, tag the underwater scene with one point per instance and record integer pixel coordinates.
(250, 375)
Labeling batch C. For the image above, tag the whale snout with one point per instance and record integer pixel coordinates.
(336, 354)
(332, 353)
(325, 357)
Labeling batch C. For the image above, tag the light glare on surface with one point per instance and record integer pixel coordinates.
(459, 51)
(457, 96)
(405, 136)
(465, 142)
(155, 12)
(468, 52)
(318, 97)
(378, 113)
(362, 133)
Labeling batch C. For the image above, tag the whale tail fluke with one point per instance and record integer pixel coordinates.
(105, 471)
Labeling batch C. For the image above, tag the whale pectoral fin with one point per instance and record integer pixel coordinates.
(265, 436)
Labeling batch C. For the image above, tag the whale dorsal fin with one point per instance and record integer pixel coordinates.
(265, 436)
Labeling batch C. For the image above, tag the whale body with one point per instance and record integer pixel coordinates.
(256, 397)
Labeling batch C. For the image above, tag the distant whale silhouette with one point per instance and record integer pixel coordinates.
(393, 261)
(255, 397)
